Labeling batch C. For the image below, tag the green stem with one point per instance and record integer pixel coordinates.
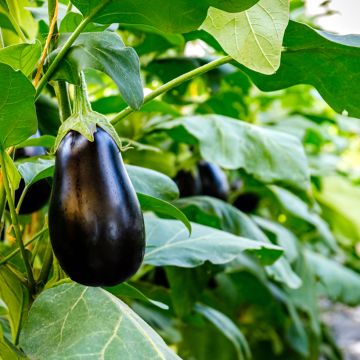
(82, 103)
(46, 267)
(174, 83)
(15, 24)
(16, 251)
(66, 47)
(22, 197)
(62, 95)
(2, 45)
(15, 222)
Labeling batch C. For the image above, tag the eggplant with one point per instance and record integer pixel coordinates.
(189, 184)
(95, 222)
(213, 181)
(247, 202)
(38, 194)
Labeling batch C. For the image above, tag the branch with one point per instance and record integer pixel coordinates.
(66, 48)
(47, 43)
(15, 223)
(174, 83)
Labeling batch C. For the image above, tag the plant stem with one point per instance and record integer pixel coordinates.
(66, 47)
(15, 24)
(174, 83)
(16, 251)
(46, 267)
(22, 197)
(14, 219)
(53, 8)
(2, 45)
(62, 94)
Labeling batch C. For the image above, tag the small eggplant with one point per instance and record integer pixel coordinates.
(95, 221)
(189, 184)
(39, 193)
(213, 181)
(247, 202)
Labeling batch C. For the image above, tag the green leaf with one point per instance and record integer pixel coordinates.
(7, 350)
(339, 283)
(16, 297)
(270, 156)
(109, 328)
(328, 62)
(46, 141)
(11, 171)
(168, 244)
(167, 15)
(36, 168)
(152, 183)
(150, 203)
(216, 213)
(225, 325)
(106, 52)
(127, 290)
(194, 280)
(284, 237)
(17, 116)
(72, 20)
(21, 57)
(297, 208)
(253, 37)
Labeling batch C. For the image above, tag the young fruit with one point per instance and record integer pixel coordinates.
(189, 184)
(39, 193)
(95, 221)
(247, 202)
(213, 181)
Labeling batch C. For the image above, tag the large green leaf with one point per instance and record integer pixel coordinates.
(109, 328)
(17, 116)
(253, 37)
(340, 200)
(216, 213)
(152, 183)
(168, 244)
(35, 168)
(16, 297)
(166, 15)
(225, 325)
(103, 51)
(161, 207)
(328, 62)
(297, 208)
(269, 155)
(339, 283)
(21, 57)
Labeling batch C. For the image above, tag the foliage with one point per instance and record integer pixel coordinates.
(216, 282)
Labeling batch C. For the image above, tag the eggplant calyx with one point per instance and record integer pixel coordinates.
(84, 120)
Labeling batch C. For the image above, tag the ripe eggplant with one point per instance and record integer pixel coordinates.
(189, 184)
(247, 202)
(213, 181)
(95, 221)
(39, 193)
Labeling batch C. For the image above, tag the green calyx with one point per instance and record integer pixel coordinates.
(84, 120)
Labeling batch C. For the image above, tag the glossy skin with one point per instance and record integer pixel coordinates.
(213, 180)
(188, 183)
(39, 193)
(95, 221)
(247, 202)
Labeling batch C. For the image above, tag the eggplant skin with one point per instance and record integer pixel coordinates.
(247, 202)
(189, 184)
(39, 193)
(213, 180)
(95, 221)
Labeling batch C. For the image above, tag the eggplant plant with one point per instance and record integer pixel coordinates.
(202, 161)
